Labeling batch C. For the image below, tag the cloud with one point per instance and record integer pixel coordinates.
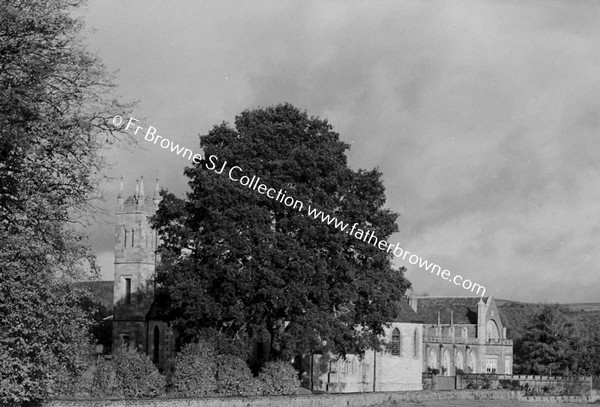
(483, 116)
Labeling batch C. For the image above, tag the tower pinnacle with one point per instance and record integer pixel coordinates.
(120, 194)
(142, 187)
(137, 189)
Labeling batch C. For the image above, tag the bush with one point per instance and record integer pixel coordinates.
(279, 378)
(104, 382)
(128, 374)
(194, 371)
(234, 377)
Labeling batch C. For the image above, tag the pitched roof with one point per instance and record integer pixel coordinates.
(464, 309)
(407, 314)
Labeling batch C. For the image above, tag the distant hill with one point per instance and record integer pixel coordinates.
(517, 316)
(583, 307)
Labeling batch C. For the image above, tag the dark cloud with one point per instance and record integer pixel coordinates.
(483, 116)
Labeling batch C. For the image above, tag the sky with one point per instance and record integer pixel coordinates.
(482, 115)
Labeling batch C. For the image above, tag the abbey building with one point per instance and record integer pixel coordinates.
(445, 335)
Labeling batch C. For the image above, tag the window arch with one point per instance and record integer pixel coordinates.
(432, 361)
(396, 343)
(459, 362)
(492, 331)
(446, 363)
(471, 362)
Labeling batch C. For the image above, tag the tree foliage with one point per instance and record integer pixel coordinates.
(549, 345)
(194, 370)
(559, 341)
(129, 374)
(239, 262)
(279, 378)
(54, 104)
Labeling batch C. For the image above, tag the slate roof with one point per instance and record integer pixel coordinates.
(464, 309)
(407, 314)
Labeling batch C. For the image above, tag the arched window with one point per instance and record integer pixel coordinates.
(492, 331)
(125, 238)
(156, 348)
(132, 237)
(446, 363)
(416, 343)
(396, 343)
(459, 362)
(471, 362)
(432, 361)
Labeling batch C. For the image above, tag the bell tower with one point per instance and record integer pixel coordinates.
(135, 261)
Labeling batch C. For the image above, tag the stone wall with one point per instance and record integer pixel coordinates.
(321, 400)
(530, 385)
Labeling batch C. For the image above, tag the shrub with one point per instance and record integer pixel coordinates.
(279, 378)
(234, 377)
(128, 374)
(104, 381)
(136, 374)
(194, 370)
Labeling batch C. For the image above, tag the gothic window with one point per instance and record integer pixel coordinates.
(127, 290)
(492, 331)
(459, 362)
(132, 237)
(125, 238)
(432, 359)
(446, 363)
(471, 362)
(416, 343)
(156, 348)
(396, 343)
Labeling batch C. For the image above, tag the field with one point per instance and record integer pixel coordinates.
(477, 403)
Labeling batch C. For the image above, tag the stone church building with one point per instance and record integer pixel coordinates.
(449, 334)
(463, 334)
(135, 320)
(398, 369)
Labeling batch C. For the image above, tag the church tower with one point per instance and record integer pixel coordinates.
(135, 261)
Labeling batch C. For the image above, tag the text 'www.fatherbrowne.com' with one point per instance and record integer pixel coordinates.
(253, 182)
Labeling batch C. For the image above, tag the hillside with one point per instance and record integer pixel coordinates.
(517, 316)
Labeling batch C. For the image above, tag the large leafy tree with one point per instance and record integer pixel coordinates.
(239, 262)
(550, 344)
(559, 340)
(54, 108)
